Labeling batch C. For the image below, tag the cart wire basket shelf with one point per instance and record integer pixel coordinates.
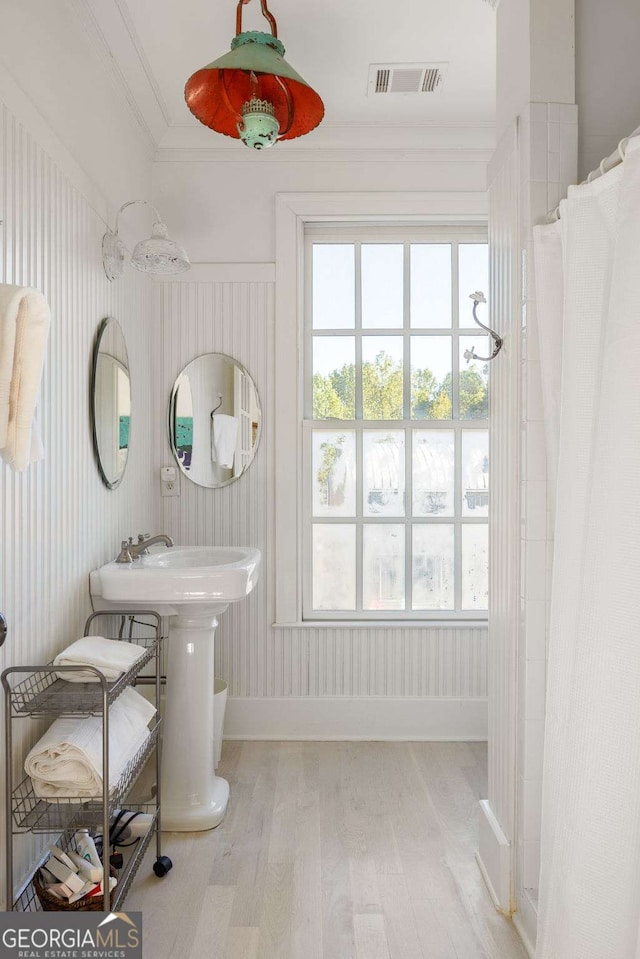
(43, 693)
(27, 899)
(40, 815)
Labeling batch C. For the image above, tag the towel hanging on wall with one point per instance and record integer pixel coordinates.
(224, 435)
(24, 328)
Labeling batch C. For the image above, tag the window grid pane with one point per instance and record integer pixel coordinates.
(382, 285)
(431, 285)
(383, 552)
(413, 484)
(333, 286)
(334, 562)
(334, 473)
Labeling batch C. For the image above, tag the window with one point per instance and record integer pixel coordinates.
(396, 477)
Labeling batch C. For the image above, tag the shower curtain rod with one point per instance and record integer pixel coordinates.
(605, 165)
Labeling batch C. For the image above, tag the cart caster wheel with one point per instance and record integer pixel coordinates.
(162, 865)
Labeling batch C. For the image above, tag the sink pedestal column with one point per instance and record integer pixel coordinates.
(193, 797)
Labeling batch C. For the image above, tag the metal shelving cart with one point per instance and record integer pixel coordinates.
(42, 693)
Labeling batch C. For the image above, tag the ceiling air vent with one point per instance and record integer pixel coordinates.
(406, 77)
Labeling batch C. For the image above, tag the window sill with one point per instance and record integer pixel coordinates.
(385, 624)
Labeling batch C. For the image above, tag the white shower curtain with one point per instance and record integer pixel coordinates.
(588, 291)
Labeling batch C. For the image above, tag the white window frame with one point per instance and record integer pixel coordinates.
(293, 212)
(453, 235)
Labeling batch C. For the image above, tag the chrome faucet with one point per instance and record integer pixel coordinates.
(129, 551)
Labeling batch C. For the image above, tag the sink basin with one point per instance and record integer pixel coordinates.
(179, 576)
(192, 585)
(197, 557)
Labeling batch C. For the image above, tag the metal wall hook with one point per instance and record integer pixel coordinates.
(217, 407)
(498, 342)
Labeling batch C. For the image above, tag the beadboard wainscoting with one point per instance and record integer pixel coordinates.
(57, 519)
(300, 682)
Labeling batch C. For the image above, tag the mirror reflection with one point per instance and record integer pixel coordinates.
(111, 402)
(214, 420)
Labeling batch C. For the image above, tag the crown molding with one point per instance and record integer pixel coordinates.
(319, 155)
(336, 142)
(144, 63)
(109, 26)
(194, 124)
(340, 135)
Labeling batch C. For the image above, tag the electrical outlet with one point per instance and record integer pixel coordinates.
(169, 481)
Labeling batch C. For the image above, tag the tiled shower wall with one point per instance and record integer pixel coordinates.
(548, 136)
(57, 520)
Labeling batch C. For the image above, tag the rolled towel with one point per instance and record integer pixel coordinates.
(111, 656)
(66, 763)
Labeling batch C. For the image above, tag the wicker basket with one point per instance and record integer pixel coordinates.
(51, 903)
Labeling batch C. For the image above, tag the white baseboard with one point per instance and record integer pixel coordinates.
(494, 859)
(364, 718)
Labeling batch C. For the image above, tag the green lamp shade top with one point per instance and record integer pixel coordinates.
(216, 93)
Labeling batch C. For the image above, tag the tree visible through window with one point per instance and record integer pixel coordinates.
(397, 438)
(382, 386)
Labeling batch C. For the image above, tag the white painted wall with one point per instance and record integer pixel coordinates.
(57, 520)
(607, 76)
(225, 210)
(57, 56)
(513, 63)
(534, 56)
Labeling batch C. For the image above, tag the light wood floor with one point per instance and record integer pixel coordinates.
(332, 851)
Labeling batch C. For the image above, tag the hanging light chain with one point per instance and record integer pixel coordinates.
(266, 13)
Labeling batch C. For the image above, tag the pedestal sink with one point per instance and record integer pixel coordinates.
(193, 586)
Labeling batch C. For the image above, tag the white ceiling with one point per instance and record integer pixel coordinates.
(158, 44)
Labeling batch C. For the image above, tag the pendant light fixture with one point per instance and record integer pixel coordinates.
(252, 93)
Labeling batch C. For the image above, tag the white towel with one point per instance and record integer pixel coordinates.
(224, 434)
(24, 327)
(111, 656)
(67, 761)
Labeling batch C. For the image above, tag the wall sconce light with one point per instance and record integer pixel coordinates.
(158, 254)
(252, 93)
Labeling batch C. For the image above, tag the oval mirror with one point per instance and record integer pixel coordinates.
(110, 402)
(214, 420)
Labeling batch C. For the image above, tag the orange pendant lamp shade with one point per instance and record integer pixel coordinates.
(251, 93)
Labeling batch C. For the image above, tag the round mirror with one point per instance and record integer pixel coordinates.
(214, 420)
(110, 402)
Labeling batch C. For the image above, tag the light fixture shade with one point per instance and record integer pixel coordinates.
(159, 254)
(254, 68)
